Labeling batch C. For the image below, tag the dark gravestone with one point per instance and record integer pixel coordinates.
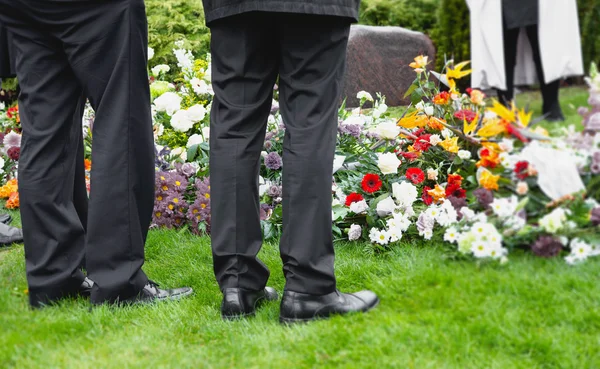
(378, 59)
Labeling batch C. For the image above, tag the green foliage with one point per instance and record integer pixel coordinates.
(415, 15)
(589, 23)
(173, 20)
(452, 34)
(9, 84)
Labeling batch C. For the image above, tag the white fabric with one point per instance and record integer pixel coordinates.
(560, 44)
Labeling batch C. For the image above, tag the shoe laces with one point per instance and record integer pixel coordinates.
(153, 285)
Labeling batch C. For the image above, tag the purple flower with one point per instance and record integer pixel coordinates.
(14, 153)
(265, 211)
(273, 161)
(595, 216)
(269, 136)
(12, 139)
(547, 247)
(268, 145)
(425, 223)
(203, 187)
(457, 203)
(484, 197)
(353, 130)
(188, 169)
(274, 191)
(595, 168)
(582, 110)
(178, 182)
(199, 212)
(274, 107)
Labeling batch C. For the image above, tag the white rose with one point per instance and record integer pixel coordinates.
(386, 207)
(432, 174)
(197, 113)
(338, 162)
(379, 110)
(434, 140)
(446, 133)
(150, 53)
(388, 130)
(429, 110)
(181, 121)
(364, 95)
(194, 139)
(169, 102)
(355, 119)
(405, 193)
(359, 207)
(206, 132)
(161, 68)
(388, 163)
(179, 151)
(464, 154)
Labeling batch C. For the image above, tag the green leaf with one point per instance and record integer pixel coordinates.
(191, 153)
(521, 205)
(336, 230)
(411, 89)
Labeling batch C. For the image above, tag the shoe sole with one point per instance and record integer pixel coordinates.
(291, 321)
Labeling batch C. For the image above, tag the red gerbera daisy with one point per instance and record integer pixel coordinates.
(422, 143)
(415, 175)
(455, 179)
(371, 183)
(426, 197)
(521, 170)
(353, 197)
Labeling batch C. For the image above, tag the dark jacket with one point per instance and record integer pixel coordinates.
(216, 9)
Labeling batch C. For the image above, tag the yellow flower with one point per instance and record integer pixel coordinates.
(541, 131)
(524, 118)
(477, 97)
(503, 112)
(488, 181)
(492, 127)
(438, 193)
(457, 72)
(412, 120)
(450, 144)
(420, 63)
(470, 127)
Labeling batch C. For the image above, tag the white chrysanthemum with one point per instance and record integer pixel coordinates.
(451, 235)
(388, 130)
(464, 154)
(378, 236)
(467, 213)
(481, 249)
(388, 163)
(196, 113)
(194, 139)
(181, 122)
(159, 69)
(359, 207)
(169, 102)
(505, 207)
(428, 234)
(405, 193)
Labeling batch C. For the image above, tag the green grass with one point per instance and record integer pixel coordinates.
(434, 313)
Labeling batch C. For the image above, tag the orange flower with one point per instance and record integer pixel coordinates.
(88, 164)
(7, 190)
(420, 63)
(438, 193)
(442, 98)
(13, 201)
(488, 158)
(477, 97)
(488, 181)
(436, 123)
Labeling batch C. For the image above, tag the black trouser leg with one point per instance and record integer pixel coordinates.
(244, 70)
(313, 57)
(53, 233)
(549, 90)
(104, 46)
(511, 36)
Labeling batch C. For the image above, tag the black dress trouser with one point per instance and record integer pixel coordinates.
(549, 90)
(66, 51)
(308, 54)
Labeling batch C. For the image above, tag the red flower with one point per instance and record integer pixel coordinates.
(513, 131)
(521, 170)
(426, 197)
(415, 175)
(422, 143)
(409, 155)
(455, 179)
(465, 114)
(371, 183)
(14, 153)
(353, 197)
(12, 112)
(453, 189)
(442, 98)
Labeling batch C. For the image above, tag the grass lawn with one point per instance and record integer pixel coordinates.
(435, 313)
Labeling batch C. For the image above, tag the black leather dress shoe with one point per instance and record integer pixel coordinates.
(5, 218)
(300, 307)
(240, 303)
(151, 293)
(86, 287)
(10, 235)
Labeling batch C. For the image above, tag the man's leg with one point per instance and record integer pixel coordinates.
(511, 36)
(53, 232)
(312, 67)
(551, 104)
(244, 69)
(106, 43)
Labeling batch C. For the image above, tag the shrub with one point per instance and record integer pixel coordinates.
(589, 23)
